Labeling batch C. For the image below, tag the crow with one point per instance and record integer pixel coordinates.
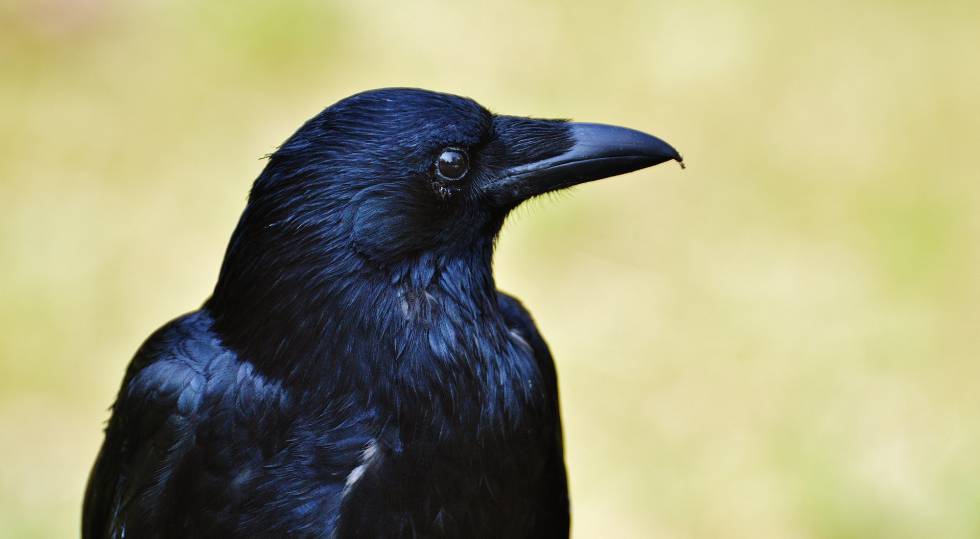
(356, 372)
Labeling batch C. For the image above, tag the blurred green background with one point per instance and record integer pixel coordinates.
(781, 341)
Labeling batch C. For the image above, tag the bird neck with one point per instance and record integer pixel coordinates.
(424, 343)
(322, 321)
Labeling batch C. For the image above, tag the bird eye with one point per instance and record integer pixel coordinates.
(453, 164)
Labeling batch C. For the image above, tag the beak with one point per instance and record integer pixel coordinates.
(597, 151)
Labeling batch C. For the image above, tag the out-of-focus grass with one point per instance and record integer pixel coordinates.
(780, 341)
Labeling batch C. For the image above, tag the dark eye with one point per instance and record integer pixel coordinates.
(453, 164)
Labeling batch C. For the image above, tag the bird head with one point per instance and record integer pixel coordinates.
(379, 207)
(394, 174)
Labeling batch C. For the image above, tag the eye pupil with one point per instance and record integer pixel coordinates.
(453, 164)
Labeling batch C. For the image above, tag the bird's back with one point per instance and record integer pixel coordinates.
(201, 444)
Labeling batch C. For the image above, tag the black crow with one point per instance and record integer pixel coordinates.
(356, 372)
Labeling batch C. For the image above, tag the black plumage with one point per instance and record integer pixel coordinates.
(356, 373)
